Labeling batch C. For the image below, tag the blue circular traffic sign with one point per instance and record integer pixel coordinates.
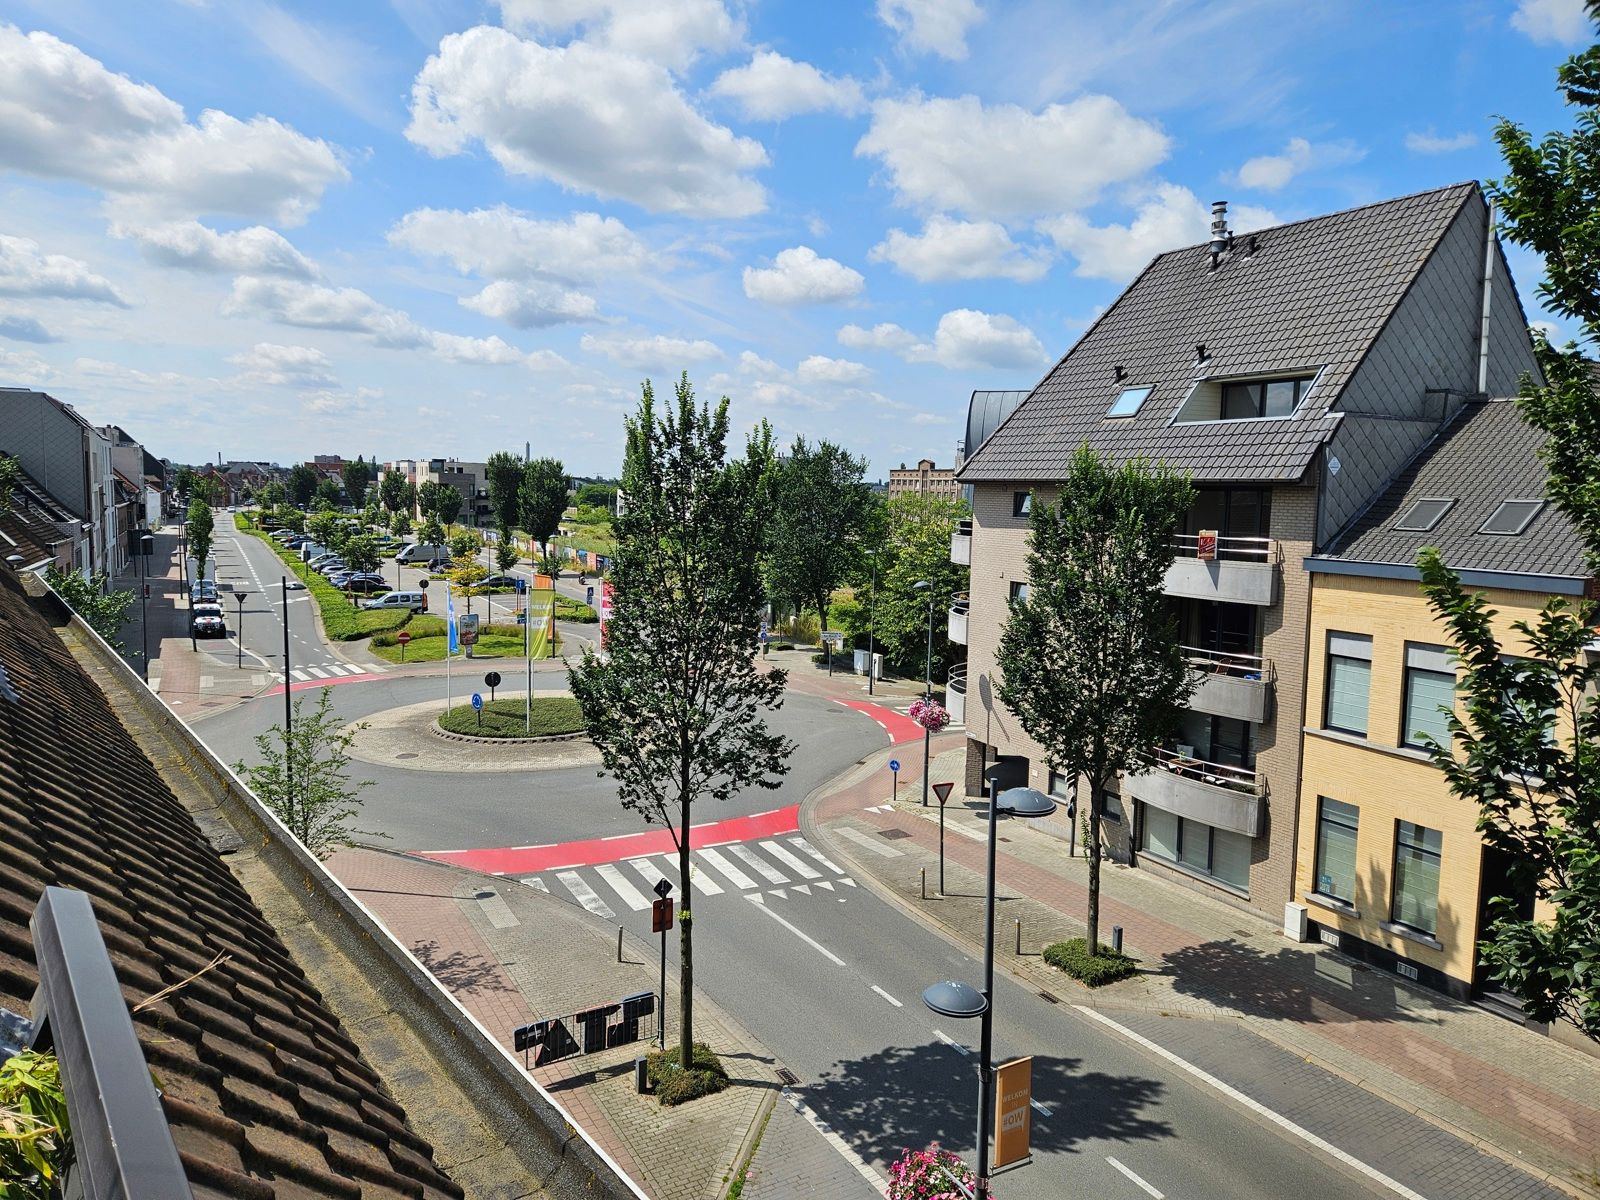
(894, 764)
(477, 700)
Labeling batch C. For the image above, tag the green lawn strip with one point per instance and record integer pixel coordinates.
(490, 645)
(552, 715)
(340, 619)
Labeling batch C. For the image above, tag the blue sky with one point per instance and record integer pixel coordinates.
(431, 227)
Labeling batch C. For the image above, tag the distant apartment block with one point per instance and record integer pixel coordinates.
(924, 478)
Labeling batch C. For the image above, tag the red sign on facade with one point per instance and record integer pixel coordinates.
(1206, 545)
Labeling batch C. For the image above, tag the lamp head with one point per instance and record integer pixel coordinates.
(1024, 802)
(952, 998)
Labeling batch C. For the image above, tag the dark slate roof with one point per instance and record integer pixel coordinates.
(265, 1093)
(23, 531)
(1487, 454)
(1315, 293)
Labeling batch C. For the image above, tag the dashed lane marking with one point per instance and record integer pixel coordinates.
(802, 935)
(1148, 1189)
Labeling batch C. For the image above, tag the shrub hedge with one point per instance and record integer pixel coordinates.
(1108, 966)
(552, 715)
(673, 1085)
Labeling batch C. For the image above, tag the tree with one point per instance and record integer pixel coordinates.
(10, 477)
(303, 777)
(326, 528)
(361, 553)
(1528, 754)
(1090, 659)
(505, 552)
(397, 495)
(504, 472)
(303, 480)
(102, 609)
(447, 507)
(372, 512)
(400, 523)
(431, 533)
(328, 493)
(465, 545)
(813, 534)
(915, 545)
(675, 706)
(596, 495)
(183, 482)
(541, 500)
(466, 578)
(357, 475)
(201, 527)
(271, 495)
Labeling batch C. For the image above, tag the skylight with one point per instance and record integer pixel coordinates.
(1423, 515)
(1512, 517)
(1128, 401)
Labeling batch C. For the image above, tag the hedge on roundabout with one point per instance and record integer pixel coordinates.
(552, 717)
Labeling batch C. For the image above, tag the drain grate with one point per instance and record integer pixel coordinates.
(788, 1076)
(892, 834)
(1050, 998)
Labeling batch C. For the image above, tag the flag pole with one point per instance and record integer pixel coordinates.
(449, 644)
(527, 652)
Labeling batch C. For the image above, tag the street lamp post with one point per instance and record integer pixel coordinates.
(952, 998)
(922, 585)
(872, 624)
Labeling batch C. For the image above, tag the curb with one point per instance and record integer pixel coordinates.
(439, 731)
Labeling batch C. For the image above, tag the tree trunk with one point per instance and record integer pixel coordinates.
(1096, 806)
(685, 944)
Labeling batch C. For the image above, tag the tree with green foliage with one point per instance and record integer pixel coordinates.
(303, 479)
(400, 522)
(326, 528)
(361, 553)
(504, 476)
(93, 599)
(372, 511)
(596, 495)
(357, 476)
(915, 546)
(291, 518)
(465, 545)
(183, 483)
(675, 707)
(541, 499)
(1090, 661)
(36, 1150)
(303, 777)
(820, 503)
(328, 493)
(1527, 756)
(396, 493)
(431, 533)
(448, 505)
(10, 478)
(505, 552)
(272, 495)
(201, 529)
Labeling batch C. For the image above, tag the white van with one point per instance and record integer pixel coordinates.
(418, 553)
(415, 601)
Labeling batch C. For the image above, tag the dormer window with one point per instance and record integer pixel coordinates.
(1245, 399)
(1129, 401)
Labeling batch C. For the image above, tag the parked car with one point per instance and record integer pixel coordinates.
(323, 561)
(416, 553)
(206, 620)
(508, 582)
(202, 589)
(415, 601)
(366, 584)
(440, 565)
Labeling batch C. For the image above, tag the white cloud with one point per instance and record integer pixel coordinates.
(24, 329)
(297, 366)
(819, 368)
(1431, 143)
(1004, 161)
(532, 306)
(24, 271)
(800, 276)
(27, 369)
(538, 110)
(1557, 22)
(951, 249)
(967, 338)
(1165, 217)
(195, 247)
(1269, 172)
(932, 26)
(502, 243)
(887, 336)
(646, 352)
(673, 34)
(340, 401)
(772, 87)
(63, 115)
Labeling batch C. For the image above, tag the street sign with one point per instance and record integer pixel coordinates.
(943, 790)
(662, 888)
(833, 637)
(894, 764)
(661, 915)
(402, 637)
(492, 680)
(1013, 1119)
(588, 596)
(477, 701)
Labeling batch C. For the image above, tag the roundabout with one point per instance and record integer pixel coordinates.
(410, 738)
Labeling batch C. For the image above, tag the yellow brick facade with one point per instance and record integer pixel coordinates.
(1387, 781)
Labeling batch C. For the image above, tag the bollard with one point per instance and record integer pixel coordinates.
(619, 943)
(1019, 938)
(1116, 938)
(924, 883)
(641, 1074)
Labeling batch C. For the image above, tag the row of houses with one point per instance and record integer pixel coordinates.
(85, 490)
(470, 480)
(1338, 389)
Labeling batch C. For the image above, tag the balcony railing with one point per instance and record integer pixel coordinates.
(958, 619)
(1230, 685)
(1233, 571)
(1181, 761)
(1229, 549)
(1221, 662)
(1217, 794)
(961, 544)
(955, 694)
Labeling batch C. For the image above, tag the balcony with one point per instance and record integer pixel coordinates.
(1231, 685)
(1238, 570)
(958, 619)
(1216, 794)
(955, 694)
(961, 544)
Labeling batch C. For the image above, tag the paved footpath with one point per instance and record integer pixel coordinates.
(1520, 1097)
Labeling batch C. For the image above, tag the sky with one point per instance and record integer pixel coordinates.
(419, 228)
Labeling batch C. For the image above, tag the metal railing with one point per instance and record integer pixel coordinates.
(1220, 662)
(1226, 775)
(1230, 549)
(957, 679)
(959, 604)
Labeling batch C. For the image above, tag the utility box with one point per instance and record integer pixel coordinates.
(1294, 921)
(861, 657)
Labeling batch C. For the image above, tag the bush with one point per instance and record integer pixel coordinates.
(672, 1085)
(552, 715)
(1072, 956)
(781, 645)
(805, 630)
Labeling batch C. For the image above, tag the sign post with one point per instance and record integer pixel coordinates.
(830, 641)
(403, 638)
(894, 771)
(491, 681)
(661, 922)
(477, 708)
(942, 791)
(240, 596)
(1013, 1116)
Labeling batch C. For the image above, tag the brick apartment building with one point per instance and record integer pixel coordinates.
(924, 478)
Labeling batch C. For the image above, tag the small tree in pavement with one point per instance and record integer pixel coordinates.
(505, 552)
(201, 527)
(675, 706)
(1090, 660)
(541, 499)
(395, 493)
(305, 781)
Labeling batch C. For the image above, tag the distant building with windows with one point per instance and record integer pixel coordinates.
(924, 478)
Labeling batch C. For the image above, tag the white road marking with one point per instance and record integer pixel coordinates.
(702, 882)
(794, 864)
(316, 672)
(804, 937)
(887, 997)
(536, 884)
(823, 883)
(299, 675)
(974, 834)
(878, 1182)
(807, 848)
(779, 893)
(803, 887)
(1149, 1191)
(652, 873)
(734, 876)
(585, 894)
(757, 864)
(498, 911)
(847, 881)
(1255, 1106)
(951, 1042)
(619, 884)
(868, 843)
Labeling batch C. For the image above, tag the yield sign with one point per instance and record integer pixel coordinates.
(943, 790)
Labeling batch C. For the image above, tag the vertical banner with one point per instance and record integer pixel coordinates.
(1013, 1117)
(541, 621)
(605, 610)
(450, 619)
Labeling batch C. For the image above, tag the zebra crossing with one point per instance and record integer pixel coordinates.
(330, 671)
(786, 864)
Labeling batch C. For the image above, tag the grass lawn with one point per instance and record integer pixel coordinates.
(490, 645)
(552, 715)
(343, 621)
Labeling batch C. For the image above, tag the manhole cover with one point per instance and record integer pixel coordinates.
(892, 834)
(407, 754)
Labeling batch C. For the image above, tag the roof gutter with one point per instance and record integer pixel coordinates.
(1516, 581)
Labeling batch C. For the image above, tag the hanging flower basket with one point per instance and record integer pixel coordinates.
(930, 714)
(929, 1175)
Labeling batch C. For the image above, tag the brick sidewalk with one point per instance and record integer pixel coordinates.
(1519, 1095)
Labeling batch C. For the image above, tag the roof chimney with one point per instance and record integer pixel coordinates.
(1221, 239)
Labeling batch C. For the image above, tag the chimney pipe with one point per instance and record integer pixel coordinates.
(1221, 239)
